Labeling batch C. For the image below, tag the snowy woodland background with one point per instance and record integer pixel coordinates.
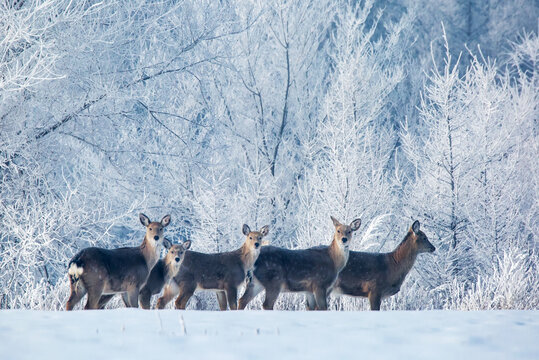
(273, 112)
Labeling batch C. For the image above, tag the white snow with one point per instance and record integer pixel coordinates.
(173, 334)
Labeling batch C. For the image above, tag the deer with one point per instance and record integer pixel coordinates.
(222, 273)
(378, 276)
(312, 271)
(102, 273)
(163, 271)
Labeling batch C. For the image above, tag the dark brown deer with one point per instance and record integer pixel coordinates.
(221, 272)
(312, 271)
(163, 272)
(102, 273)
(377, 276)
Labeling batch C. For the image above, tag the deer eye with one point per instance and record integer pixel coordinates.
(150, 229)
(339, 231)
(250, 238)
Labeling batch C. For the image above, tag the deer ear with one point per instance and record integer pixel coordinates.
(144, 219)
(167, 243)
(265, 230)
(335, 221)
(415, 227)
(186, 244)
(355, 224)
(165, 220)
(246, 229)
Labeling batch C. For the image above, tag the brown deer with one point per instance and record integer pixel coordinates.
(377, 276)
(312, 271)
(221, 272)
(163, 272)
(102, 273)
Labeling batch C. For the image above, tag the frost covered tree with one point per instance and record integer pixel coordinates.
(346, 173)
(491, 24)
(276, 69)
(469, 173)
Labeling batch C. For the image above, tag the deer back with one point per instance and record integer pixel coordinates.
(219, 270)
(122, 269)
(211, 271)
(382, 273)
(295, 270)
(119, 268)
(363, 273)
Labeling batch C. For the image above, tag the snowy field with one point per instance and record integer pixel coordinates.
(138, 334)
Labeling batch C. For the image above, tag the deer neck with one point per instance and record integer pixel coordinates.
(339, 255)
(171, 270)
(403, 257)
(150, 253)
(248, 257)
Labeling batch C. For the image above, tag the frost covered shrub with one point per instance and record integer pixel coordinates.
(510, 284)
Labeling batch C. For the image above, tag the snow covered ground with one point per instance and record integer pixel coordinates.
(171, 334)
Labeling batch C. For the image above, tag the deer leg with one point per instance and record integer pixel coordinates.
(145, 298)
(132, 296)
(232, 297)
(221, 299)
(186, 291)
(94, 295)
(252, 289)
(272, 293)
(320, 296)
(125, 299)
(375, 301)
(171, 290)
(104, 300)
(311, 302)
(77, 293)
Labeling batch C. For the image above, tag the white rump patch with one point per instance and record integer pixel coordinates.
(75, 271)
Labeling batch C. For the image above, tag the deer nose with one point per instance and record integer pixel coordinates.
(156, 237)
(177, 259)
(344, 240)
(257, 245)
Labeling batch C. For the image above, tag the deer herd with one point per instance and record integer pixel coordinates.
(137, 273)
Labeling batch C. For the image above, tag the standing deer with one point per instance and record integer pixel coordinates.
(377, 276)
(163, 272)
(221, 272)
(312, 271)
(102, 273)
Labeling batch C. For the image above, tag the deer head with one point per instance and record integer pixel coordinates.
(155, 230)
(343, 233)
(419, 240)
(254, 238)
(175, 256)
